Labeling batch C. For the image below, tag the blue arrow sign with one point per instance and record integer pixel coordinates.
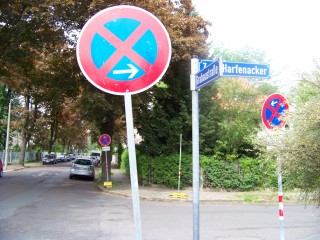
(240, 69)
(207, 74)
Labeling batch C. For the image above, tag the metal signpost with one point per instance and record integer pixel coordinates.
(124, 50)
(105, 141)
(195, 146)
(204, 72)
(275, 111)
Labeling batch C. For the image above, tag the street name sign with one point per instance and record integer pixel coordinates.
(275, 111)
(208, 74)
(240, 69)
(123, 50)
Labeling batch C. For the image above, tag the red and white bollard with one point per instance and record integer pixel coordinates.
(280, 199)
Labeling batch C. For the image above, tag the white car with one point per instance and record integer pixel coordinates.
(82, 167)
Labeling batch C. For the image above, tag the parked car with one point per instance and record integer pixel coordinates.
(1, 168)
(72, 156)
(94, 160)
(82, 167)
(49, 159)
(61, 158)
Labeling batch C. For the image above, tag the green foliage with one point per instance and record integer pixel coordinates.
(125, 162)
(299, 145)
(161, 170)
(231, 173)
(165, 170)
(228, 172)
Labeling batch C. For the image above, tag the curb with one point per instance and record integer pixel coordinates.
(217, 201)
(146, 198)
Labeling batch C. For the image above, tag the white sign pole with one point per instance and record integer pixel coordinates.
(195, 147)
(133, 167)
(179, 175)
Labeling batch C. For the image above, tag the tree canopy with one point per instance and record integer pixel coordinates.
(298, 145)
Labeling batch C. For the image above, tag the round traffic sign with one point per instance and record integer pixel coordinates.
(123, 50)
(274, 112)
(105, 140)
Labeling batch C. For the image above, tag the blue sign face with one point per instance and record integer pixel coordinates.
(207, 74)
(245, 70)
(240, 69)
(105, 140)
(204, 63)
(125, 69)
(275, 111)
(123, 50)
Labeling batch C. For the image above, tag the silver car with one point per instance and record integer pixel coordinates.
(82, 167)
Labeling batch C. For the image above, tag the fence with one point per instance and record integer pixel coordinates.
(13, 157)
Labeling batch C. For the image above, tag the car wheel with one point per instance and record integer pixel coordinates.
(71, 177)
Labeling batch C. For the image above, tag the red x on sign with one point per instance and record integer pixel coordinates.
(123, 50)
(275, 111)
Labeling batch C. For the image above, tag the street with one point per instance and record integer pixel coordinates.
(42, 203)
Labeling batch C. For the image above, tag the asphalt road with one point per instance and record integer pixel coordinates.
(42, 203)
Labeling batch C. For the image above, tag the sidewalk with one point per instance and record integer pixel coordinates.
(121, 187)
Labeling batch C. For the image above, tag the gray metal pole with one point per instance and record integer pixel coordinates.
(133, 167)
(195, 147)
(7, 138)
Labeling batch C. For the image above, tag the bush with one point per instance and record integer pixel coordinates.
(242, 174)
(225, 172)
(165, 170)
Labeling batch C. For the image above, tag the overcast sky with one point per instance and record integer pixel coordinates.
(288, 31)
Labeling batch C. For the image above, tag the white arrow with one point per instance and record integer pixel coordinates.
(273, 103)
(133, 70)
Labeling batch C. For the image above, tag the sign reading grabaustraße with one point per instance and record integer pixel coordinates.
(208, 74)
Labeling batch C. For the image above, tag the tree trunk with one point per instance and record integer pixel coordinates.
(24, 132)
(103, 167)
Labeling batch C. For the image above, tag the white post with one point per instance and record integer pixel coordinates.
(133, 167)
(180, 163)
(195, 147)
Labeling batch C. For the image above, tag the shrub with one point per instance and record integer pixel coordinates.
(226, 172)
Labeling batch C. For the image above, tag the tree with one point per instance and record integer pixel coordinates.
(230, 109)
(164, 112)
(299, 144)
(36, 63)
(35, 60)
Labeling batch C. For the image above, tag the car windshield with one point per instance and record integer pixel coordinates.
(83, 162)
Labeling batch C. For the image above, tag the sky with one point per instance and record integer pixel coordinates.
(288, 31)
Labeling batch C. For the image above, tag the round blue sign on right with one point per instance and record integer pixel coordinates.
(275, 111)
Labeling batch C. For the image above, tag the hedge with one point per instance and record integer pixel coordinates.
(216, 172)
